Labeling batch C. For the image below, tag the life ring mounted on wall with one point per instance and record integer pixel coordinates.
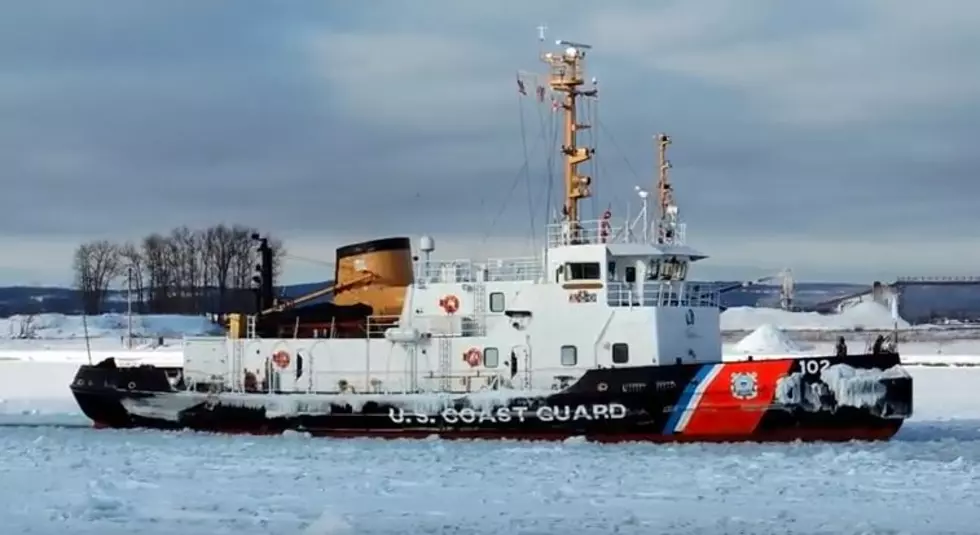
(450, 304)
(473, 357)
(281, 359)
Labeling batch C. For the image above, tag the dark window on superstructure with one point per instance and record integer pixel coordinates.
(611, 271)
(583, 271)
(569, 355)
(653, 270)
(497, 302)
(491, 357)
(620, 353)
(631, 274)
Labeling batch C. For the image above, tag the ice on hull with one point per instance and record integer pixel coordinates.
(862, 397)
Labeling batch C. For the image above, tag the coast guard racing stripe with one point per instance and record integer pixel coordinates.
(691, 398)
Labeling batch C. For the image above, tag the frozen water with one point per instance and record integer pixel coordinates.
(84, 481)
(77, 480)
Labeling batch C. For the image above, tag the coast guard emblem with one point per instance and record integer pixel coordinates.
(745, 385)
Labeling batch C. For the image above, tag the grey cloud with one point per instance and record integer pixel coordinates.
(311, 118)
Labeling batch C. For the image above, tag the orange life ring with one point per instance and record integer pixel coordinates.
(450, 304)
(472, 357)
(281, 359)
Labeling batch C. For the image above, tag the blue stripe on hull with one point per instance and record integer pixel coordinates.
(685, 399)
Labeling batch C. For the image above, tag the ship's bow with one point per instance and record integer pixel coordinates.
(859, 397)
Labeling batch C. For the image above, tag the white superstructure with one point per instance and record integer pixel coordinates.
(590, 304)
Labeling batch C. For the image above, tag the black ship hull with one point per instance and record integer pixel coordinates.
(860, 397)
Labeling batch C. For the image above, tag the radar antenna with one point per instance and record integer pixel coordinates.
(667, 217)
(566, 77)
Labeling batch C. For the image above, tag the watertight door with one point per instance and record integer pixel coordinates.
(520, 366)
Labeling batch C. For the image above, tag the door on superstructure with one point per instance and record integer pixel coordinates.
(284, 368)
(520, 366)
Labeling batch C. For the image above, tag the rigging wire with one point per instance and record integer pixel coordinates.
(527, 169)
(523, 171)
(550, 163)
(620, 150)
(545, 130)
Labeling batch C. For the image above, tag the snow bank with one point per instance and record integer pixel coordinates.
(136, 357)
(768, 340)
(864, 315)
(61, 326)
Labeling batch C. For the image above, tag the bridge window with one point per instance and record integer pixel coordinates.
(491, 357)
(620, 353)
(653, 271)
(582, 271)
(674, 269)
(569, 355)
(497, 302)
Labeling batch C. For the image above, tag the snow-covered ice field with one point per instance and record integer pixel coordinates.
(62, 477)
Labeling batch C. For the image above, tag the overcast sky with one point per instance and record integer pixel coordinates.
(840, 138)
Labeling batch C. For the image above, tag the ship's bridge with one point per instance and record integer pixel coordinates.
(589, 256)
(606, 231)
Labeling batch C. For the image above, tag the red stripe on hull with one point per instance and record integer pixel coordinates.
(720, 412)
(779, 435)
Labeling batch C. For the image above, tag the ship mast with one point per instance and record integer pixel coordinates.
(667, 221)
(566, 76)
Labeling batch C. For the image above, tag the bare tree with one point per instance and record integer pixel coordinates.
(182, 271)
(221, 256)
(158, 274)
(96, 264)
(278, 256)
(26, 329)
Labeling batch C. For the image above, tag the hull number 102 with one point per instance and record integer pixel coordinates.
(813, 367)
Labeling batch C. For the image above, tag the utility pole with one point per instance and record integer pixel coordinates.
(129, 307)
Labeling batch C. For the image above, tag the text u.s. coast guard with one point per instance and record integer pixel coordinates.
(564, 413)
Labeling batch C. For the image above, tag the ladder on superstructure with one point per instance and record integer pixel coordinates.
(527, 367)
(445, 362)
(250, 326)
(237, 382)
(480, 308)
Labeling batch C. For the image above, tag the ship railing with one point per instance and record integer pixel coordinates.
(491, 270)
(587, 232)
(376, 326)
(661, 294)
(429, 325)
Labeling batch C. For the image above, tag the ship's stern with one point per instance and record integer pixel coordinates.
(100, 389)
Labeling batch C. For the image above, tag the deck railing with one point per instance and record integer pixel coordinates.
(661, 294)
(491, 270)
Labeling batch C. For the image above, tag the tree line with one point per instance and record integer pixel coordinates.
(185, 271)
